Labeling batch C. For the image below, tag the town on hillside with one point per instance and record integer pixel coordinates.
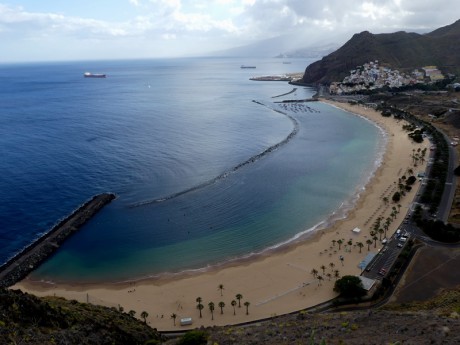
(373, 76)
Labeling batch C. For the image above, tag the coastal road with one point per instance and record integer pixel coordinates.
(451, 183)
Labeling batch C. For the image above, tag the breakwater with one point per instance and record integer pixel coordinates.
(232, 170)
(32, 256)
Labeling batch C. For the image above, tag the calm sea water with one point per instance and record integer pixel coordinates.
(169, 138)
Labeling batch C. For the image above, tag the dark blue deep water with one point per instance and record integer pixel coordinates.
(153, 129)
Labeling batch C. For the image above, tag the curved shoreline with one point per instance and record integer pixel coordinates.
(274, 284)
(232, 170)
(24, 262)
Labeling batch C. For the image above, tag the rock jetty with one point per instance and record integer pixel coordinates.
(31, 257)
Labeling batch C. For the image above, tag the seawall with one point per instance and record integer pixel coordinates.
(31, 257)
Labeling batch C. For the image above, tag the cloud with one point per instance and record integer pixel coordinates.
(215, 24)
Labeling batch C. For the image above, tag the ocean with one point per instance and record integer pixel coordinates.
(208, 166)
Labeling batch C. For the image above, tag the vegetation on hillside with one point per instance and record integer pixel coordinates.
(26, 319)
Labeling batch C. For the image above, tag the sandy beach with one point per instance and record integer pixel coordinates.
(275, 284)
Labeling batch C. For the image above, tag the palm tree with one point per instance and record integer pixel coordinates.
(132, 313)
(246, 304)
(360, 245)
(174, 316)
(200, 307)
(320, 278)
(350, 243)
(385, 200)
(328, 275)
(339, 242)
(211, 308)
(314, 272)
(221, 288)
(323, 268)
(369, 242)
(239, 297)
(331, 265)
(233, 303)
(221, 306)
(144, 315)
(336, 274)
(375, 241)
(333, 242)
(381, 231)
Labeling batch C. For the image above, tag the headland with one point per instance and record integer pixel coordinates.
(276, 283)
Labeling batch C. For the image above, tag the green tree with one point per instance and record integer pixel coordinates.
(246, 304)
(174, 316)
(194, 337)
(221, 288)
(239, 297)
(211, 308)
(221, 306)
(350, 287)
(144, 315)
(233, 303)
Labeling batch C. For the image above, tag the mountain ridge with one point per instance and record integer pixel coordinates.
(399, 50)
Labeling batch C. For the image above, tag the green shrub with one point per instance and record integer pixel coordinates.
(194, 338)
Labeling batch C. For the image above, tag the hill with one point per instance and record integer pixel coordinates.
(399, 50)
(431, 322)
(26, 319)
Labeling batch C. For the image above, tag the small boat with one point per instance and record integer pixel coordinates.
(245, 66)
(94, 75)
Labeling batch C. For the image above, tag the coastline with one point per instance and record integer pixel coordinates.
(276, 283)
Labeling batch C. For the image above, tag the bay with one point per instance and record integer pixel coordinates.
(153, 129)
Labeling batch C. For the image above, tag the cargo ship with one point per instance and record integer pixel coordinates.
(245, 66)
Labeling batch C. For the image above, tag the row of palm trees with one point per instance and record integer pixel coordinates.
(221, 304)
(333, 273)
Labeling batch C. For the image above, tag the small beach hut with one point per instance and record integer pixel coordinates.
(356, 230)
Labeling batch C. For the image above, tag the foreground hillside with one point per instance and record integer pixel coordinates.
(399, 50)
(432, 322)
(26, 319)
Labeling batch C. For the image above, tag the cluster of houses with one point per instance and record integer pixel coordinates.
(372, 76)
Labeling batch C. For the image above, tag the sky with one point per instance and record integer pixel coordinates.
(57, 30)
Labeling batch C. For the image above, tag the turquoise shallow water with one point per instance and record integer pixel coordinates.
(153, 129)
